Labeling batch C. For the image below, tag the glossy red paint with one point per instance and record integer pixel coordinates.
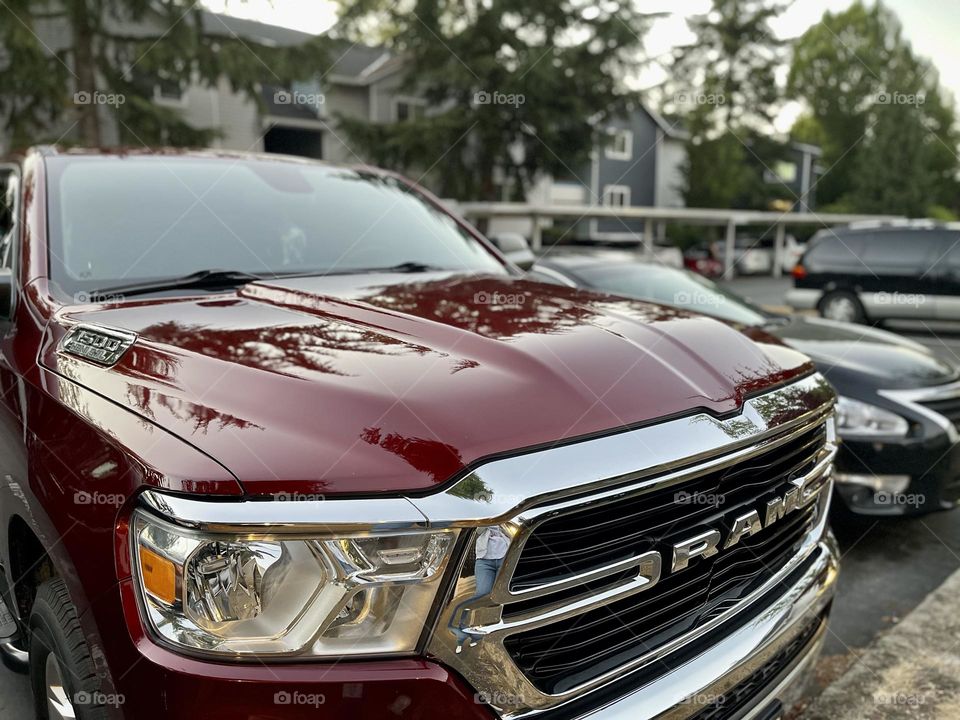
(340, 385)
(367, 384)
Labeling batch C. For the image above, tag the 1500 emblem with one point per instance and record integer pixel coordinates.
(100, 345)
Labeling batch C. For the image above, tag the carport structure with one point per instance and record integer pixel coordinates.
(731, 219)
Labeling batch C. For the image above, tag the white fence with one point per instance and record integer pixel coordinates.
(731, 219)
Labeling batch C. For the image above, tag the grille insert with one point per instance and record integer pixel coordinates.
(561, 655)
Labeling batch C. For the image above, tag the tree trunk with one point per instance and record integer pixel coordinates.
(84, 66)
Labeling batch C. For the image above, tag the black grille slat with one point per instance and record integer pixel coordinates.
(565, 546)
(562, 654)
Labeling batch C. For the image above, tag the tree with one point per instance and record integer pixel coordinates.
(113, 54)
(889, 136)
(726, 91)
(515, 89)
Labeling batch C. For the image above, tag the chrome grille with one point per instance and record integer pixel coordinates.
(617, 494)
(564, 654)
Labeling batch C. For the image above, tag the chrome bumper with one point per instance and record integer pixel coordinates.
(686, 691)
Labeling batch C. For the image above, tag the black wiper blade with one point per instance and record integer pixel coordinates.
(201, 280)
(404, 267)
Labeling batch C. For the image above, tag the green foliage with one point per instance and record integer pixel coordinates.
(725, 88)
(889, 135)
(516, 89)
(122, 48)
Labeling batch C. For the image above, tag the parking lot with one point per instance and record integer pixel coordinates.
(889, 566)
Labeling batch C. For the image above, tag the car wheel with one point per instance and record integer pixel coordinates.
(62, 676)
(843, 307)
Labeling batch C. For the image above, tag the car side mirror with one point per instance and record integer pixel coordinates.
(516, 249)
(6, 294)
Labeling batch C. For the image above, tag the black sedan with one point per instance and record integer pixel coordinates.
(899, 405)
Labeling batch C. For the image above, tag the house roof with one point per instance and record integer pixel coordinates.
(350, 61)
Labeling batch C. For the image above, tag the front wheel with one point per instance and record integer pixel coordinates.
(842, 306)
(62, 675)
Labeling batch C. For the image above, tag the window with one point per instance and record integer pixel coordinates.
(168, 89)
(829, 252)
(405, 109)
(783, 172)
(620, 145)
(616, 196)
(9, 188)
(264, 216)
(906, 251)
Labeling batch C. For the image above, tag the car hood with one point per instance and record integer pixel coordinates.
(848, 354)
(395, 383)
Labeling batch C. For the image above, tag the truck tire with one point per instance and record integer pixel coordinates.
(62, 674)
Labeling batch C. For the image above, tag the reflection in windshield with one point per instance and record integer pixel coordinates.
(118, 221)
(673, 287)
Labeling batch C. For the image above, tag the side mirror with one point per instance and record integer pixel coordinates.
(6, 294)
(516, 249)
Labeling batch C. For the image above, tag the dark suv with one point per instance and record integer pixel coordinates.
(856, 274)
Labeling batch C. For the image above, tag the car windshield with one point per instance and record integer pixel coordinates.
(117, 221)
(678, 288)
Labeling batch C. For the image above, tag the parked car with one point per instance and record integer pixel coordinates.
(286, 440)
(885, 272)
(701, 260)
(750, 257)
(899, 404)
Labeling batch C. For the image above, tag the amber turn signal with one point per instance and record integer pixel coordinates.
(159, 576)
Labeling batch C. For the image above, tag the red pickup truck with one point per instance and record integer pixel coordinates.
(288, 440)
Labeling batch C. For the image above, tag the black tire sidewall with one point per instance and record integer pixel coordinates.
(48, 635)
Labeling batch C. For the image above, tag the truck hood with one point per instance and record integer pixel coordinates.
(396, 383)
(861, 356)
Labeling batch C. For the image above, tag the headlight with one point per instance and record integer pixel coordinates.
(860, 420)
(269, 595)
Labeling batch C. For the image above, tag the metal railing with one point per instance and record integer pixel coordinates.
(731, 219)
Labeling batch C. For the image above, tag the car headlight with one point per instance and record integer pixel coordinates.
(856, 419)
(267, 595)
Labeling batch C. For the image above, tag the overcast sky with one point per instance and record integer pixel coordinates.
(932, 26)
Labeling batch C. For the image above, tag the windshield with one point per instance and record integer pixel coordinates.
(673, 287)
(122, 220)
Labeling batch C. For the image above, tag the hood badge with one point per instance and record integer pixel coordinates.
(99, 345)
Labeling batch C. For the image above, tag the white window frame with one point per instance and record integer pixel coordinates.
(622, 190)
(610, 150)
(407, 100)
(161, 99)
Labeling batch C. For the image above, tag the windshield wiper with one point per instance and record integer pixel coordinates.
(404, 267)
(201, 280)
